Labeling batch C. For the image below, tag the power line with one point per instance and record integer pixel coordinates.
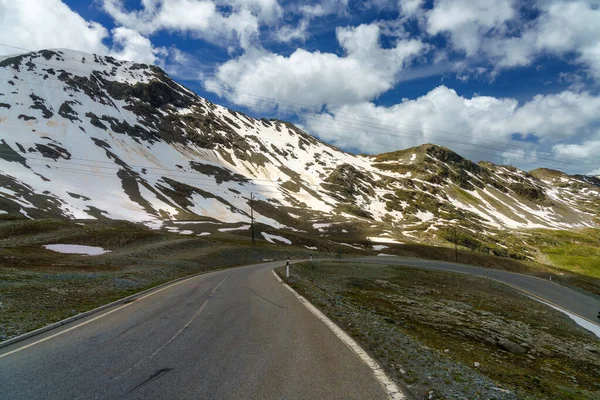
(352, 124)
(305, 106)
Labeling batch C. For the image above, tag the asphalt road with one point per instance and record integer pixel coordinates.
(232, 334)
(568, 299)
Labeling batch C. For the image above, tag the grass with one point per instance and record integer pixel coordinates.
(32, 295)
(428, 328)
(39, 286)
(576, 251)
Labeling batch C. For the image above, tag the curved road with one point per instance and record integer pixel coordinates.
(231, 334)
(570, 300)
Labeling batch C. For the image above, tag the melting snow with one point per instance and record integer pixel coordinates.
(203, 234)
(3, 212)
(238, 228)
(76, 249)
(196, 222)
(425, 216)
(383, 240)
(270, 238)
(311, 247)
(380, 247)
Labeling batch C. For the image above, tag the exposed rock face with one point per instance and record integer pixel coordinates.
(135, 144)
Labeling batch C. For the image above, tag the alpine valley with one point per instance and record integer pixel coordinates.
(84, 136)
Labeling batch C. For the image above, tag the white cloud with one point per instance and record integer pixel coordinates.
(467, 21)
(314, 78)
(130, 45)
(42, 24)
(495, 30)
(480, 127)
(203, 18)
(411, 8)
(590, 148)
(560, 115)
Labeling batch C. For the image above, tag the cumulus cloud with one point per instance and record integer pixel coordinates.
(314, 78)
(131, 45)
(479, 127)
(469, 22)
(203, 19)
(42, 24)
(590, 148)
(411, 8)
(496, 31)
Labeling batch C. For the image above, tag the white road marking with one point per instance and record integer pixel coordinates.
(216, 287)
(196, 314)
(389, 386)
(103, 315)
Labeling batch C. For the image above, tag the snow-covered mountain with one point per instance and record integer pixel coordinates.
(85, 136)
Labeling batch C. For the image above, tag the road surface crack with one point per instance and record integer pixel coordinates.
(152, 377)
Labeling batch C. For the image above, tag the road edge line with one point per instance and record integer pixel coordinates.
(391, 389)
(85, 314)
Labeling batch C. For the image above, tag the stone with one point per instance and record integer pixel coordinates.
(511, 347)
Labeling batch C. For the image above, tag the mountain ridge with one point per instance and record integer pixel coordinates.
(87, 136)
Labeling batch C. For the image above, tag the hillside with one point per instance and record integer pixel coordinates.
(91, 137)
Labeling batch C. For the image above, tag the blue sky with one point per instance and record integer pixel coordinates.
(514, 82)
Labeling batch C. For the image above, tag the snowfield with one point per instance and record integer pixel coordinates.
(272, 238)
(383, 240)
(80, 152)
(76, 249)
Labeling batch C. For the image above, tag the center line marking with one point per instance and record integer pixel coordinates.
(103, 315)
(196, 314)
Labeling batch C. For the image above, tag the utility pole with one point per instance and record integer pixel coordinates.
(455, 245)
(252, 216)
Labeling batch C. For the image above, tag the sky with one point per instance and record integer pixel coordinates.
(508, 81)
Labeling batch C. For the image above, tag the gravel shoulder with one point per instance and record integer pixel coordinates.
(444, 335)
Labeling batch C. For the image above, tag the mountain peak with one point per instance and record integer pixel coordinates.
(90, 136)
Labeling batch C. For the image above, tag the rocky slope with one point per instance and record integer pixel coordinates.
(84, 136)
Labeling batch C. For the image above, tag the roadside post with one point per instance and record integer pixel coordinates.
(311, 258)
(287, 268)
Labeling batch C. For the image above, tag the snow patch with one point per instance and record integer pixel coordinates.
(383, 240)
(238, 228)
(270, 238)
(380, 247)
(76, 249)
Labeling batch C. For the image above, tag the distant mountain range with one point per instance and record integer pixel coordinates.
(85, 136)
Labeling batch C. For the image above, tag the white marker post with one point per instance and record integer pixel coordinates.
(311, 258)
(287, 268)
